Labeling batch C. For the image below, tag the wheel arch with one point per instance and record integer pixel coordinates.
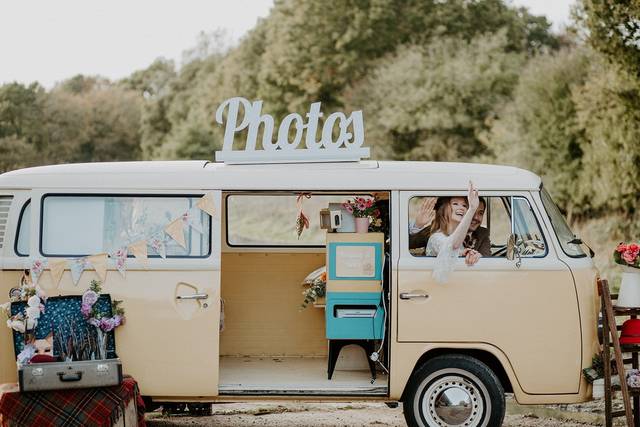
(486, 357)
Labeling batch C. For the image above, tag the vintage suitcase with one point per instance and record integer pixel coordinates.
(65, 375)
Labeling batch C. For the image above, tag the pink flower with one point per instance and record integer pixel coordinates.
(348, 207)
(630, 256)
(621, 248)
(634, 247)
(361, 206)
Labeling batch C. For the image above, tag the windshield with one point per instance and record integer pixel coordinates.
(560, 226)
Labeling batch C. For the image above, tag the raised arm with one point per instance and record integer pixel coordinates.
(459, 234)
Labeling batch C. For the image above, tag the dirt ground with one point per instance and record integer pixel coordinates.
(290, 414)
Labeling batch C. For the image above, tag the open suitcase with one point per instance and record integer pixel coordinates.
(61, 318)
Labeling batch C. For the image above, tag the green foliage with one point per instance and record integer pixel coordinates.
(539, 129)
(436, 102)
(614, 28)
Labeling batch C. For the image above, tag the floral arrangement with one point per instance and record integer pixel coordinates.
(28, 319)
(627, 254)
(95, 318)
(317, 289)
(362, 207)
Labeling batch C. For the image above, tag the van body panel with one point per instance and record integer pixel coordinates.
(522, 311)
(407, 355)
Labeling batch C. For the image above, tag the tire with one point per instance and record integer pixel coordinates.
(433, 388)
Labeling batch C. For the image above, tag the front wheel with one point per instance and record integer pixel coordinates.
(454, 390)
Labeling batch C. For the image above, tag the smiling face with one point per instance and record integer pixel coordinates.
(478, 217)
(457, 208)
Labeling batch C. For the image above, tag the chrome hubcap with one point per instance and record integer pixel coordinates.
(453, 400)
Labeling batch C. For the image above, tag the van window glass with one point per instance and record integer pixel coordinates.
(560, 226)
(78, 225)
(492, 232)
(24, 231)
(529, 238)
(270, 220)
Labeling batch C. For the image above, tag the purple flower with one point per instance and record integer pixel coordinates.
(107, 324)
(89, 298)
(117, 321)
(85, 309)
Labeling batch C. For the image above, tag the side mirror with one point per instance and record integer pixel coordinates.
(513, 251)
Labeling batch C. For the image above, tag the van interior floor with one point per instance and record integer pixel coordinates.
(294, 376)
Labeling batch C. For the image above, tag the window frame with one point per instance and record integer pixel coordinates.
(142, 195)
(276, 193)
(17, 238)
(553, 226)
(508, 209)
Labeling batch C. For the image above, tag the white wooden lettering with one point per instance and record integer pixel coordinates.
(346, 147)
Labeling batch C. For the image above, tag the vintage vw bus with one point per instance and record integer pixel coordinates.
(523, 324)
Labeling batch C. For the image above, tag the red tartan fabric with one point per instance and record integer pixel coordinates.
(70, 408)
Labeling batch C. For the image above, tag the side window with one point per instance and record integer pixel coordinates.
(529, 237)
(24, 231)
(489, 231)
(78, 225)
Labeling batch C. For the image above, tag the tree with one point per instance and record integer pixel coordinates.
(614, 29)
(435, 103)
(539, 129)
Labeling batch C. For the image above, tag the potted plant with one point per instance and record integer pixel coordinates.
(628, 255)
(363, 209)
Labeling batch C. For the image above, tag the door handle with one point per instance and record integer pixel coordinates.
(193, 296)
(408, 295)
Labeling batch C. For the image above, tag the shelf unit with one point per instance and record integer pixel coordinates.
(610, 340)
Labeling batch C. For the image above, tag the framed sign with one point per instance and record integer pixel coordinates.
(355, 261)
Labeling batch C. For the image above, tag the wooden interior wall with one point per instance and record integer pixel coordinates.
(262, 294)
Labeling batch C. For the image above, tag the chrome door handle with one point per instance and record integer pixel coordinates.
(194, 296)
(407, 295)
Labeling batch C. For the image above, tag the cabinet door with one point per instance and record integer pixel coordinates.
(529, 313)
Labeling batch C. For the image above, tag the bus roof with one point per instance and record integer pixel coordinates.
(200, 174)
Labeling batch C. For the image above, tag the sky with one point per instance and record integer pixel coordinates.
(49, 41)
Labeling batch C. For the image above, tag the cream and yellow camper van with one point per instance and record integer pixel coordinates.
(222, 318)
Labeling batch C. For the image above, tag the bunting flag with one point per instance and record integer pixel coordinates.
(175, 229)
(37, 267)
(139, 250)
(157, 244)
(57, 267)
(99, 264)
(77, 266)
(193, 218)
(207, 204)
(120, 256)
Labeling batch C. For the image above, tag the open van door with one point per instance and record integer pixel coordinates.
(169, 343)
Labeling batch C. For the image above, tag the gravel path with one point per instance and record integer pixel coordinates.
(288, 414)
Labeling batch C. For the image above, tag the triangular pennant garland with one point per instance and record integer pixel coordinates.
(139, 250)
(175, 229)
(99, 263)
(207, 204)
(157, 244)
(37, 267)
(57, 267)
(193, 218)
(77, 266)
(120, 257)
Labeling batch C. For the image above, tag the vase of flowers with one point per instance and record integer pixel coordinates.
(628, 255)
(363, 210)
(101, 321)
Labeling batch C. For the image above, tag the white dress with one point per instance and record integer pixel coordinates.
(441, 246)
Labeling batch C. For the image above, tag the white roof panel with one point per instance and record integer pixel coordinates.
(365, 175)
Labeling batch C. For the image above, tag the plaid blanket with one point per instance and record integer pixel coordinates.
(70, 408)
